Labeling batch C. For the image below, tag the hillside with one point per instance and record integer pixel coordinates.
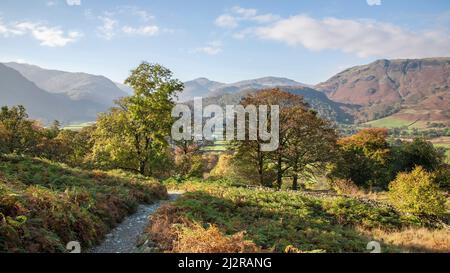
(78, 86)
(200, 87)
(45, 205)
(416, 89)
(203, 87)
(17, 90)
(213, 215)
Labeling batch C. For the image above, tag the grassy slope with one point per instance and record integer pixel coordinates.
(393, 122)
(44, 205)
(274, 220)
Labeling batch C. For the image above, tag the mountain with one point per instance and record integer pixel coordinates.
(15, 89)
(78, 86)
(416, 89)
(317, 100)
(125, 88)
(203, 87)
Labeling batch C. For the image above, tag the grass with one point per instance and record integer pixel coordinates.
(392, 122)
(274, 221)
(44, 205)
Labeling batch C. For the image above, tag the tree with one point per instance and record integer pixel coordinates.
(251, 150)
(134, 134)
(364, 158)
(19, 134)
(187, 153)
(419, 152)
(5, 137)
(310, 144)
(306, 142)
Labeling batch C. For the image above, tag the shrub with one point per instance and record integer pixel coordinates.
(210, 240)
(224, 167)
(415, 193)
(345, 186)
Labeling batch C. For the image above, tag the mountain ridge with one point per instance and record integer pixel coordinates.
(15, 89)
(77, 85)
(204, 87)
(400, 87)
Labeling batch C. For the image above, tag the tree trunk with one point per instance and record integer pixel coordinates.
(260, 166)
(142, 167)
(295, 182)
(279, 173)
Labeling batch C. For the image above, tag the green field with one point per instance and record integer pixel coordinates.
(392, 122)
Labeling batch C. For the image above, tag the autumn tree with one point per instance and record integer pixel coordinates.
(364, 158)
(133, 135)
(251, 150)
(306, 142)
(310, 144)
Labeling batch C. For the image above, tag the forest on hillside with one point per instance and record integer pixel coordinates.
(319, 191)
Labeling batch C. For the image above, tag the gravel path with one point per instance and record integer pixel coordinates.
(123, 238)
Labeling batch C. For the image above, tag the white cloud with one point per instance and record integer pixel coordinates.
(226, 21)
(373, 2)
(361, 37)
(49, 36)
(112, 22)
(238, 14)
(143, 30)
(108, 28)
(73, 2)
(212, 48)
(46, 35)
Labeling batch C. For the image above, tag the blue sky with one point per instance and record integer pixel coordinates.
(226, 40)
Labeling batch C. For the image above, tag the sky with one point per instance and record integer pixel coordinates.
(226, 41)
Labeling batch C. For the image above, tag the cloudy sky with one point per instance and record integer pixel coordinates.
(223, 40)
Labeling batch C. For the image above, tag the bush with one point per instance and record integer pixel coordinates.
(415, 193)
(224, 167)
(210, 240)
(345, 186)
